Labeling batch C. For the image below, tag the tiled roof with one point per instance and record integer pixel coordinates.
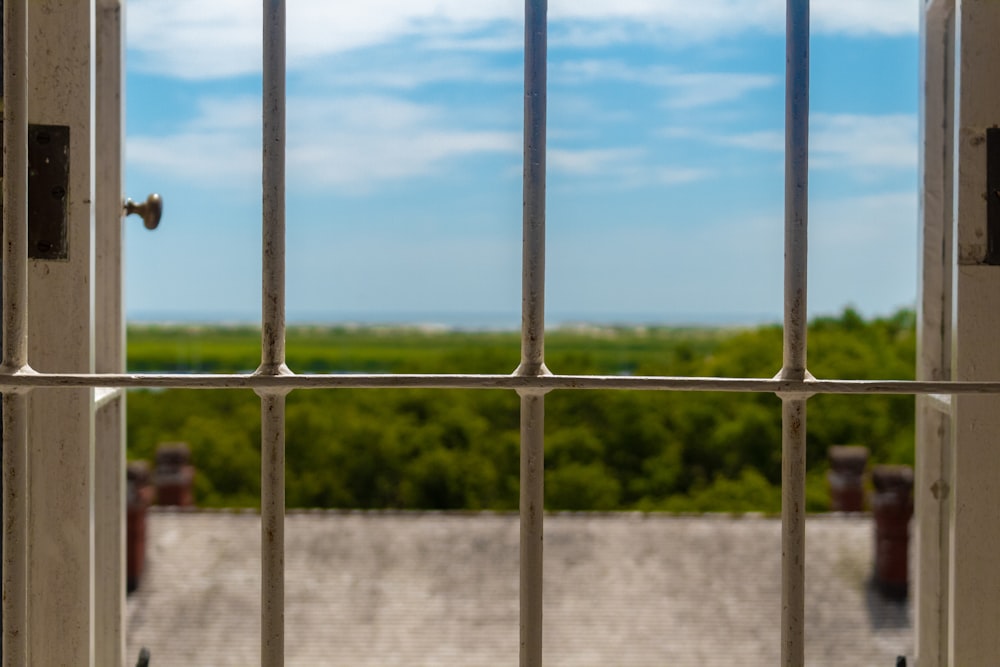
(393, 589)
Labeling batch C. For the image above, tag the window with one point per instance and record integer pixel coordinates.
(54, 416)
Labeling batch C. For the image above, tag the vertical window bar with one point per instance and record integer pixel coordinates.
(533, 249)
(272, 518)
(272, 500)
(15, 186)
(273, 182)
(15, 331)
(796, 186)
(793, 531)
(793, 413)
(532, 499)
(532, 503)
(15, 527)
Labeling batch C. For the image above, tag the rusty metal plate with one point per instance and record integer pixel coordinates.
(48, 191)
(993, 195)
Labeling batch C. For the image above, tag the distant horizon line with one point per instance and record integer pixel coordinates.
(462, 320)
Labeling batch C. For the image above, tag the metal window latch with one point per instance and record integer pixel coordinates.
(143, 658)
(48, 192)
(150, 210)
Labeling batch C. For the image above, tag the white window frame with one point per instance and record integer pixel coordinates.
(78, 401)
(957, 498)
(934, 334)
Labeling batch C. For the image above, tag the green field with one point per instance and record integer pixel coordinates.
(450, 449)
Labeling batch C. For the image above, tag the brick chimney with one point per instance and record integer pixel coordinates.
(174, 475)
(139, 496)
(846, 477)
(892, 506)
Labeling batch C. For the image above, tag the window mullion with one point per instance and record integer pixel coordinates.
(109, 339)
(973, 460)
(934, 308)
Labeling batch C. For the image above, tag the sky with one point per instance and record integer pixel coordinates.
(665, 160)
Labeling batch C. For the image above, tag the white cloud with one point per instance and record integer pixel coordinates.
(371, 72)
(864, 142)
(226, 114)
(354, 143)
(590, 110)
(591, 161)
(867, 145)
(193, 39)
(228, 159)
(359, 141)
(686, 89)
(351, 143)
(763, 140)
(709, 19)
(220, 145)
(678, 175)
(866, 17)
(507, 36)
(618, 168)
(699, 90)
(868, 221)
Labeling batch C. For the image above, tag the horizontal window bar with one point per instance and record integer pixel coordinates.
(516, 382)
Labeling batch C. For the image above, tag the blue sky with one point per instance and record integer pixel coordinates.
(665, 165)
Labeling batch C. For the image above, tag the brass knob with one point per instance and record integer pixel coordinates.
(150, 210)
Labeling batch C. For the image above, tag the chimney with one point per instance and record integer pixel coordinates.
(892, 506)
(139, 496)
(174, 475)
(845, 477)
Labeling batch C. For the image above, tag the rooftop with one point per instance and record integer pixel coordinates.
(387, 589)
